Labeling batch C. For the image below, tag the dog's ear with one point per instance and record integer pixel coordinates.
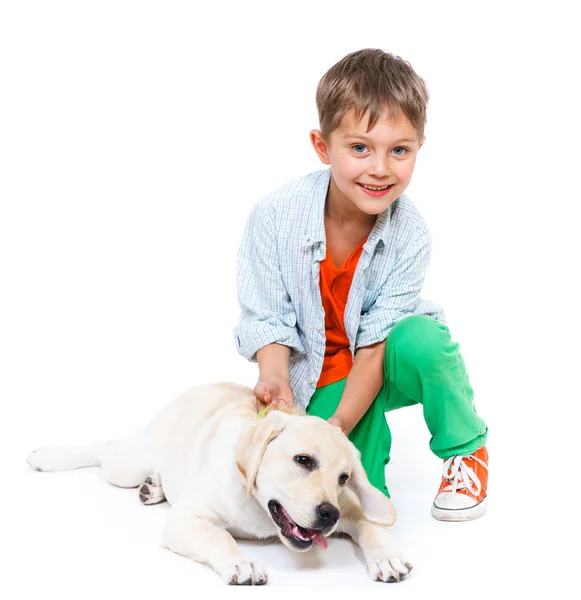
(253, 444)
(376, 507)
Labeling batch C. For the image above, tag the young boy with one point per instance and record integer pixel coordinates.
(329, 275)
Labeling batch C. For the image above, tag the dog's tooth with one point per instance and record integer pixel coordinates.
(297, 533)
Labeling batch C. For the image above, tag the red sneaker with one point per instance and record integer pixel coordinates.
(462, 495)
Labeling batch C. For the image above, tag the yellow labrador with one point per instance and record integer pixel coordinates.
(228, 474)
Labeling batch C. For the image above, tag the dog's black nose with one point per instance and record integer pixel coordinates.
(329, 514)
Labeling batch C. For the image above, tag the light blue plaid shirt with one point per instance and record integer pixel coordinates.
(278, 278)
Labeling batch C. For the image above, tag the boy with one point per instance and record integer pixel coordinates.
(329, 275)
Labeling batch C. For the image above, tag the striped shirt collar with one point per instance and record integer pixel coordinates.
(315, 231)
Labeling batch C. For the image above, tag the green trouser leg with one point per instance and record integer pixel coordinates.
(422, 365)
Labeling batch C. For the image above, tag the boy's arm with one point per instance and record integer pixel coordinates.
(273, 366)
(399, 297)
(273, 362)
(362, 386)
(267, 313)
(266, 332)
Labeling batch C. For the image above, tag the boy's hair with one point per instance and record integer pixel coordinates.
(369, 81)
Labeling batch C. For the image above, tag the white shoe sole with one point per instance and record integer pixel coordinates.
(460, 514)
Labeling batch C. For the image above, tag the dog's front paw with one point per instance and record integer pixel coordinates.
(245, 573)
(389, 569)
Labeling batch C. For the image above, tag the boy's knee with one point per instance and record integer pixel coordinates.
(418, 340)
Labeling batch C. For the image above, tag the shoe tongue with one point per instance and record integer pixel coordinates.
(321, 540)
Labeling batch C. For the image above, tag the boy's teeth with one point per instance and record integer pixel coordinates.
(375, 189)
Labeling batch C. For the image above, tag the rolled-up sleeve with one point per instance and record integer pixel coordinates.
(267, 314)
(399, 296)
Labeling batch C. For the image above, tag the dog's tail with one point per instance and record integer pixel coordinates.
(65, 458)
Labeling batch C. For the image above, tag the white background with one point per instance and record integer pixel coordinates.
(134, 139)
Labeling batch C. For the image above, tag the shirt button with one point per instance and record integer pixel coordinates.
(311, 379)
(319, 326)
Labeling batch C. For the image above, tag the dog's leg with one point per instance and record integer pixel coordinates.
(383, 561)
(190, 534)
(125, 462)
(150, 491)
(66, 458)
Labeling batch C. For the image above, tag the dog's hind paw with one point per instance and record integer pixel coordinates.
(55, 458)
(245, 573)
(389, 569)
(150, 491)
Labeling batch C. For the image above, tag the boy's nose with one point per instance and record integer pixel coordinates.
(379, 167)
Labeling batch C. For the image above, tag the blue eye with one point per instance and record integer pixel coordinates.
(403, 151)
(359, 148)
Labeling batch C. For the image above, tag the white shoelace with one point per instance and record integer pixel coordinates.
(461, 475)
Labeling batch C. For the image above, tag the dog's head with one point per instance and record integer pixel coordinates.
(298, 467)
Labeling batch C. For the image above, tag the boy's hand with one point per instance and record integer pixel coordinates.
(274, 389)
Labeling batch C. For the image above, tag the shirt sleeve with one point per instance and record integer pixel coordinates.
(267, 314)
(399, 296)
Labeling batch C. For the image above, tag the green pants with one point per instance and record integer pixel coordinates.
(422, 365)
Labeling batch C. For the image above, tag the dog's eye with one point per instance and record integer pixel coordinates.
(343, 479)
(305, 461)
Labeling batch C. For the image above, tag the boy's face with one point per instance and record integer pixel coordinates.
(381, 158)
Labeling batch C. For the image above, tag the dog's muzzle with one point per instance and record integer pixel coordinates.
(302, 538)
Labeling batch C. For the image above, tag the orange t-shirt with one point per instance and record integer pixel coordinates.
(335, 284)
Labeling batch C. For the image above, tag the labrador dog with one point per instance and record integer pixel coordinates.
(227, 473)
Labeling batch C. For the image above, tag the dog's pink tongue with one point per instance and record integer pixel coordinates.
(321, 540)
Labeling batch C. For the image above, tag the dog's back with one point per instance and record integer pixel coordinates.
(189, 424)
(192, 435)
(189, 413)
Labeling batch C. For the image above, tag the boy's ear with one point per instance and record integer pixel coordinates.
(422, 141)
(320, 146)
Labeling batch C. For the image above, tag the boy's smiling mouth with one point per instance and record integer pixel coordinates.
(375, 190)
